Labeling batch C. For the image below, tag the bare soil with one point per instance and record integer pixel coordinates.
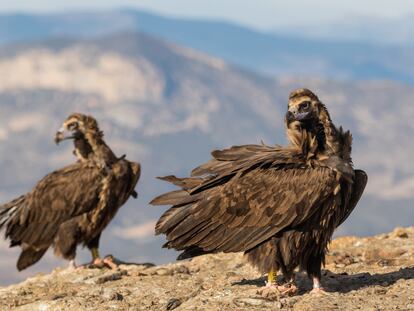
(374, 273)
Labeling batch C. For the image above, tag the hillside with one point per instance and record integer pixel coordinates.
(168, 106)
(282, 54)
(374, 273)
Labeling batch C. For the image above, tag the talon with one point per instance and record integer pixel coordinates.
(96, 263)
(273, 291)
(287, 289)
(110, 261)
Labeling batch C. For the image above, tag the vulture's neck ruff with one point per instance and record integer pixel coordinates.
(99, 150)
(321, 142)
(88, 140)
(316, 135)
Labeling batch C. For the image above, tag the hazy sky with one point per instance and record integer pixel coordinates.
(265, 14)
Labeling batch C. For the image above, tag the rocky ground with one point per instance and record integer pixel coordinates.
(374, 273)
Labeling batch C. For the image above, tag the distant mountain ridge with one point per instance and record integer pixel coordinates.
(263, 52)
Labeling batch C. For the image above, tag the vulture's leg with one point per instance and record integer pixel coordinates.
(97, 261)
(270, 291)
(72, 264)
(314, 272)
(93, 246)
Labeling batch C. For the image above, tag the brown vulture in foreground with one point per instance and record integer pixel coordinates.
(278, 205)
(73, 205)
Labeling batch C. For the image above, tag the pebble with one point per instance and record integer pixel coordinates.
(108, 277)
(164, 271)
(110, 294)
(173, 303)
(240, 302)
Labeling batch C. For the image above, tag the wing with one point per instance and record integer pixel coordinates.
(58, 197)
(358, 187)
(252, 198)
(126, 175)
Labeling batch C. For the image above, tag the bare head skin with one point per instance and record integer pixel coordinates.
(303, 106)
(88, 139)
(77, 125)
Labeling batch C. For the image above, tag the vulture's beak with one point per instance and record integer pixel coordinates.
(294, 114)
(62, 134)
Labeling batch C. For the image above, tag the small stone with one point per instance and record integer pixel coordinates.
(110, 294)
(241, 302)
(58, 296)
(182, 270)
(400, 233)
(108, 277)
(380, 291)
(173, 303)
(164, 271)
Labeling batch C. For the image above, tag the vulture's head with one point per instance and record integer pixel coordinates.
(304, 107)
(77, 126)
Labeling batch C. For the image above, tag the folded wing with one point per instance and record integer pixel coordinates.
(247, 195)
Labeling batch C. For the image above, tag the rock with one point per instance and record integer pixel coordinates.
(243, 302)
(173, 303)
(110, 294)
(373, 273)
(164, 271)
(108, 277)
(400, 233)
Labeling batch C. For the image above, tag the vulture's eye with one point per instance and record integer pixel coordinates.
(304, 105)
(73, 126)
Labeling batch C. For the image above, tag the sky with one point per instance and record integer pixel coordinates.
(261, 14)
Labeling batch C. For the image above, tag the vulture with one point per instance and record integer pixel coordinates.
(73, 205)
(278, 205)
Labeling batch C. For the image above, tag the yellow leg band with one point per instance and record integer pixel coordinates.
(95, 253)
(272, 277)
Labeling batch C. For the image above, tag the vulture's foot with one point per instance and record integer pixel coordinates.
(72, 265)
(288, 289)
(96, 263)
(99, 263)
(317, 287)
(111, 262)
(273, 291)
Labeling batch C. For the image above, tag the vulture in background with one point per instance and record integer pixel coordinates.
(72, 205)
(278, 205)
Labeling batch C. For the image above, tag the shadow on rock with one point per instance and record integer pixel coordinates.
(342, 283)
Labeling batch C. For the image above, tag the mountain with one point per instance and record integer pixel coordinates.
(374, 273)
(375, 30)
(168, 106)
(272, 54)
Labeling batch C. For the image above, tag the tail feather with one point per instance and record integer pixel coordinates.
(10, 210)
(29, 257)
(191, 252)
(183, 183)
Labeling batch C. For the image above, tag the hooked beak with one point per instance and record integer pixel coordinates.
(63, 134)
(293, 114)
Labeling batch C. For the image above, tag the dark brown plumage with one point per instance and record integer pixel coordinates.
(279, 205)
(72, 205)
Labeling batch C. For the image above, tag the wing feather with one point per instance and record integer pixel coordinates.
(59, 196)
(358, 187)
(248, 194)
